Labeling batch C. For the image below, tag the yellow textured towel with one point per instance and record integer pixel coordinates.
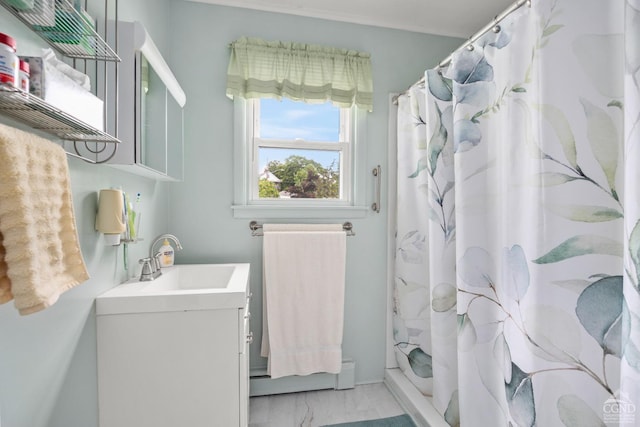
(40, 256)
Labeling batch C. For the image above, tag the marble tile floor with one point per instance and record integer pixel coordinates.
(317, 408)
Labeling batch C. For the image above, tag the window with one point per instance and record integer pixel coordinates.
(297, 159)
(300, 151)
(302, 158)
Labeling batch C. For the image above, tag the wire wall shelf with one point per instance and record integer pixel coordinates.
(31, 110)
(68, 30)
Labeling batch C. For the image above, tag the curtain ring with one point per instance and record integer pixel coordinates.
(470, 48)
(529, 3)
(496, 29)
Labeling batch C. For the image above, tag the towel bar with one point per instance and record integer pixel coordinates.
(255, 227)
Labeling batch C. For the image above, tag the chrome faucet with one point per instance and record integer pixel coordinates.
(159, 239)
(151, 266)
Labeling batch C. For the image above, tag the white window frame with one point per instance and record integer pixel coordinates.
(247, 204)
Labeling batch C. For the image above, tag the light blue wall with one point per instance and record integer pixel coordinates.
(201, 213)
(48, 359)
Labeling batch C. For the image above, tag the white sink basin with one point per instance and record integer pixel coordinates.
(192, 276)
(179, 288)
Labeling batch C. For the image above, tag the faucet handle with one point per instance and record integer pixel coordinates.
(156, 261)
(155, 265)
(147, 271)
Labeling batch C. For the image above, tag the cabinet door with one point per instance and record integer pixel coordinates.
(169, 369)
(153, 118)
(175, 138)
(149, 117)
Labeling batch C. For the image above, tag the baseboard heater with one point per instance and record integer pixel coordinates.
(262, 385)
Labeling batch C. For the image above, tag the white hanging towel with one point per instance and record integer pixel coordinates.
(303, 298)
(40, 255)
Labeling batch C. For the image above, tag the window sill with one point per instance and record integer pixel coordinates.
(301, 212)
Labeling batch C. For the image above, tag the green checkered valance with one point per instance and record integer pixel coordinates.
(302, 72)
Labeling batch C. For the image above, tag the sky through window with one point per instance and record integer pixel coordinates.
(289, 119)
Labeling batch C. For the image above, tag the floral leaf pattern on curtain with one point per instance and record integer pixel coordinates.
(581, 245)
(411, 331)
(600, 310)
(533, 201)
(519, 392)
(630, 366)
(634, 253)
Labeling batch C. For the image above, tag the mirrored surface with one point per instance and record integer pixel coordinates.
(175, 138)
(153, 118)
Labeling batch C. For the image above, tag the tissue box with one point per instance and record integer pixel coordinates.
(60, 91)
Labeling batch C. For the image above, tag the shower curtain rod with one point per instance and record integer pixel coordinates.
(492, 26)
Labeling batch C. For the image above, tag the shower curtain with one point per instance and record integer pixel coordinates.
(517, 281)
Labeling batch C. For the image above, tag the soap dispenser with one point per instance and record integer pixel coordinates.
(166, 254)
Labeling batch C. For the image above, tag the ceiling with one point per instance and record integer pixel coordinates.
(457, 18)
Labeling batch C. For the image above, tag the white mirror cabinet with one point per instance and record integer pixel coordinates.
(149, 119)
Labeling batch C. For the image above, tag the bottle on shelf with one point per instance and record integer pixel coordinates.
(8, 60)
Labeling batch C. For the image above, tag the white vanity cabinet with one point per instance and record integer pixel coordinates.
(173, 367)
